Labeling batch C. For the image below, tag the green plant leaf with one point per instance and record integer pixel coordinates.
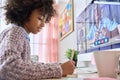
(69, 52)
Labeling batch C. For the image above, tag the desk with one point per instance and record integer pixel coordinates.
(80, 77)
(79, 74)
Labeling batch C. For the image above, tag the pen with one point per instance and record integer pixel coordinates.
(72, 55)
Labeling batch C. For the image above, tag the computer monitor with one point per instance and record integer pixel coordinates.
(106, 36)
(98, 27)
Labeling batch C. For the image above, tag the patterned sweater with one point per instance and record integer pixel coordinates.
(15, 61)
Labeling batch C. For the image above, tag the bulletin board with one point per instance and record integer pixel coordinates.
(66, 20)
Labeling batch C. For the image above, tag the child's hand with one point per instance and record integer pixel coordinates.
(68, 68)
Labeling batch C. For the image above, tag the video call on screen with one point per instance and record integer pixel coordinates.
(98, 26)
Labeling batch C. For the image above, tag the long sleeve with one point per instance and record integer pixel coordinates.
(15, 61)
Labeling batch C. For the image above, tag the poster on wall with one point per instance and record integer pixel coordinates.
(66, 20)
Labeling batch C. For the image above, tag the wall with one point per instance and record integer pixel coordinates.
(70, 41)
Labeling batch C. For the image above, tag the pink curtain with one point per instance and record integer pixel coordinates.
(48, 49)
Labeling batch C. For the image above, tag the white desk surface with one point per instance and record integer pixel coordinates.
(76, 77)
(79, 74)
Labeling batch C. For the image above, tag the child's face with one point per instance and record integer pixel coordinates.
(35, 23)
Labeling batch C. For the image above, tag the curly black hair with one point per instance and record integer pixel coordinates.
(19, 11)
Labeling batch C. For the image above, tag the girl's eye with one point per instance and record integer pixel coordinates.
(39, 19)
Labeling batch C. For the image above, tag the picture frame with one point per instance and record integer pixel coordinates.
(66, 22)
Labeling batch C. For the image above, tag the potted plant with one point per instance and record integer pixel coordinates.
(69, 53)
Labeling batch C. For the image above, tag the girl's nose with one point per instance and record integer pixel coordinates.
(42, 24)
